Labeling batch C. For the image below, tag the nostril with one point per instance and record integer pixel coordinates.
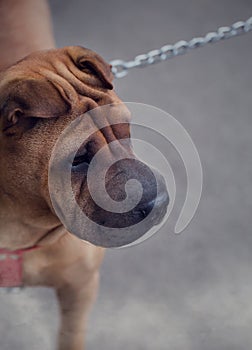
(143, 212)
(159, 203)
(144, 209)
(162, 200)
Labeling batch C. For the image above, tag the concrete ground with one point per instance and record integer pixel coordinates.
(191, 291)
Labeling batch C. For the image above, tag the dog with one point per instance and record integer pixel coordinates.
(40, 95)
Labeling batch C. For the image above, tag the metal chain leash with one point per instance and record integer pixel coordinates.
(120, 68)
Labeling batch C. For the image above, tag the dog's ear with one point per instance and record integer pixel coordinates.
(30, 98)
(97, 68)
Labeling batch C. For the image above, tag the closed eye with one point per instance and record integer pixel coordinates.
(87, 67)
(95, 70)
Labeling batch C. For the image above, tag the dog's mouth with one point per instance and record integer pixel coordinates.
(78, 160)
(81, 158)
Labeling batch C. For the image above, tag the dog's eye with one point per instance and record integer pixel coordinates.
(87, 67)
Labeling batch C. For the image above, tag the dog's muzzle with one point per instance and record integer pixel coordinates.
(119, 228)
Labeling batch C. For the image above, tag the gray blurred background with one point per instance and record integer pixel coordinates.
(192, 291)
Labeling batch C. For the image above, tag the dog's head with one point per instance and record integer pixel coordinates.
(40, 96)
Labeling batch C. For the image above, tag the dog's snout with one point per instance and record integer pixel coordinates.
(153, 198)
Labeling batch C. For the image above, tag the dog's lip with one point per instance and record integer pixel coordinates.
(80, 157)
(80, 168)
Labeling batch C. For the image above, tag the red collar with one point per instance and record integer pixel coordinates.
(11, 269)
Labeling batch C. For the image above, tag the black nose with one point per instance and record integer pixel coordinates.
(152, 206)
(126, 227)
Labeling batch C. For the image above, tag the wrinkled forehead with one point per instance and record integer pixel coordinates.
(53, 82)
(44, 63)
(48, 59)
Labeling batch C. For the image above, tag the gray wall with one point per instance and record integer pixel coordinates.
(191, 291)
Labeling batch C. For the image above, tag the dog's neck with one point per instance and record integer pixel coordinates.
(23, 228)
(19, 236)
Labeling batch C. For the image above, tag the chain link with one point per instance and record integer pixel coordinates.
(120, 68)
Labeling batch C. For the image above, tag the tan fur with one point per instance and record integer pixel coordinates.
(63, 261)
(40, 96)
